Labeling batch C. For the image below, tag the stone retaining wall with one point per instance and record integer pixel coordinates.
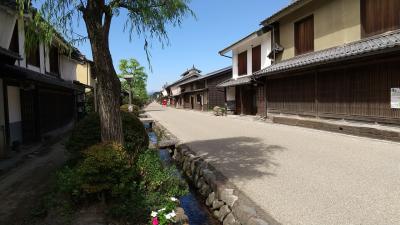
(221, 199)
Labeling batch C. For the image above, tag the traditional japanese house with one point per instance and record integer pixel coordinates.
(175, 90)
(41, 90)
(202, 93)
(338, 59)
(244, 94)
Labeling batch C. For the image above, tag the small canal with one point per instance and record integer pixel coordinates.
(192, 203)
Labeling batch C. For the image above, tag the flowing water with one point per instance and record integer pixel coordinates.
(192, 203)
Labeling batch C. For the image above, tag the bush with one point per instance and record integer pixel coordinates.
(89, 103)
(103, 168)
(125, 108)
(87, 133)
(158, 179)
(136, 138)
(130, 192)
(156, 186)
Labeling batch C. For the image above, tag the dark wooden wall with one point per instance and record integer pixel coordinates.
(216, 96)
(250, 97)
(359, 93)
(379, 16)
(261, 110)
(56, 109)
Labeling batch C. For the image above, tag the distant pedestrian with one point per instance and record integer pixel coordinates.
(164, 103)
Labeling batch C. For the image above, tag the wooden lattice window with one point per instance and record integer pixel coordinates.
(256, 58)
(242, 63)
(304, 35)
(379, 16)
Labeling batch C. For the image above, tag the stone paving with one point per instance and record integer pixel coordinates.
(296, 175)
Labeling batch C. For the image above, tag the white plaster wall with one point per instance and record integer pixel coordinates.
(14, 104)
(68, 68)
(235, 69)
(7, 23)
(42, 58)
(264, 41)
(230, 93)
(21, 42)
(176, 90)
(47, 58)
(266, 50)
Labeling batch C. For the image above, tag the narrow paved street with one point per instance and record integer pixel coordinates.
(21, 189)
(297, 175)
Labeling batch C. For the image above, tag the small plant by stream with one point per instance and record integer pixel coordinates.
(129, 182)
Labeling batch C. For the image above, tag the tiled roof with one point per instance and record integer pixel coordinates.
(389, 41)
(193, 91)
(9, 53)
(209, 75)
(235, 82)
(186, 78)
(292, 5)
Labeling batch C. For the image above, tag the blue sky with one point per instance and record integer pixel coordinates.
(197, 42)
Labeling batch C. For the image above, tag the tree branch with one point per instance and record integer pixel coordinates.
(129, 6)
(107, 24)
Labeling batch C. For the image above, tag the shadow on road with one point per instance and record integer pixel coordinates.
(154, 110)
(241, 158)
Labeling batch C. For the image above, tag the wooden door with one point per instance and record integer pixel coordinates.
(238, 101)
(249, 101)
(28, 116)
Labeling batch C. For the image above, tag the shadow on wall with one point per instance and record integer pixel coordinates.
(242, 158)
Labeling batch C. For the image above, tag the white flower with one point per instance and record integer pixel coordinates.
(153, 214)
(174, 199)
(163, 209)
(170, 215)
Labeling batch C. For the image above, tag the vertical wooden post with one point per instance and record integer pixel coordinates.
(241, 100)
(265, 98)
(316, 93)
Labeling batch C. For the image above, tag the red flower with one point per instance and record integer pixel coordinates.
(155, 221)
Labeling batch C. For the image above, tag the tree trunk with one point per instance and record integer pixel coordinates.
(109, 86)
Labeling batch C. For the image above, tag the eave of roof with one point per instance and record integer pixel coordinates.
(193, 91)
(20, 73)
(209, 75)
(227, 49)
(378, 44)
(9, 54)
(75, 53)
(236, 82)
(183, 79)
(284, 11)
(255, 34)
